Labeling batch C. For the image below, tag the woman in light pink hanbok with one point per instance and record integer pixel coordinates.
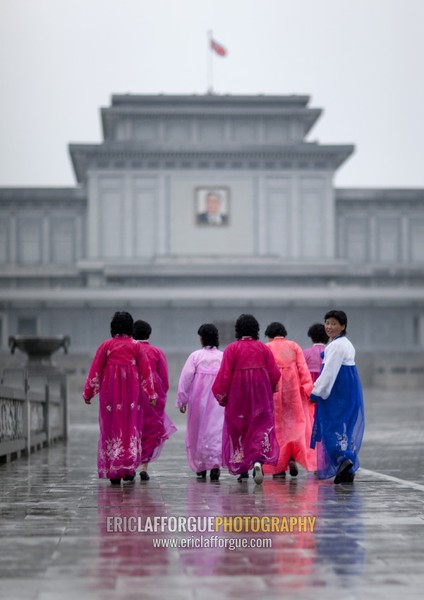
(205, 417)
(294, 413)
(244, 385)
(315, 353)
(157, 427)
(119, 372)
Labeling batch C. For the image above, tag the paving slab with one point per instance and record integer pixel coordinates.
(63, 535)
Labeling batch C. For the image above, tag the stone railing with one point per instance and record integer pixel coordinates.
(33, 411)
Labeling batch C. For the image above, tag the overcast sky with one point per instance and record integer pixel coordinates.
(361, 61)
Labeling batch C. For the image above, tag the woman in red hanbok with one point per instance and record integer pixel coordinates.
(244, 385)
(119, 372)
(294, 413)
(157, 427)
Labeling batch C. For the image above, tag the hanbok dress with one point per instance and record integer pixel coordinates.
(339, 417)
(205, 417)
(244, 385)
(120, 371)
(156, 426)
(313, 357)
(294, 413)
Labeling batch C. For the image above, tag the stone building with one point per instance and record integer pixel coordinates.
(290, 246)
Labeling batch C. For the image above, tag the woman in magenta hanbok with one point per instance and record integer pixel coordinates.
(205, 417)
(314, 354)
(119, 372)
(156, 427)
(244, 385)
(294, 413)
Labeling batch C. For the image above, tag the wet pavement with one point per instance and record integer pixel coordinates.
(368, 539)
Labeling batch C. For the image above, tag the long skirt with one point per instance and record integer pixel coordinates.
(119, 448)
(156, 427)
(339, 424)
(249, 428)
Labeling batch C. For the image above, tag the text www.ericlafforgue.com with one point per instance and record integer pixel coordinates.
(213, 541)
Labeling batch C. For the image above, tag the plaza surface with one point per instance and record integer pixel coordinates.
(368, 540)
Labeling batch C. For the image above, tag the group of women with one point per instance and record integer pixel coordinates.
(261, 407)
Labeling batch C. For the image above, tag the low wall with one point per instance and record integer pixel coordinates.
(386, 370)
(391, 371)
(33, 412)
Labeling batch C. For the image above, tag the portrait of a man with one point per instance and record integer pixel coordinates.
(212, 206)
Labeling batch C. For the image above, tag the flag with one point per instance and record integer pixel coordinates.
(218, 48)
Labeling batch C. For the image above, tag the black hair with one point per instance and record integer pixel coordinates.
(340, 316)
(275, 329)
(209, 335)
(317, 333)
(121, 324)
(247, 325)
(141, 330)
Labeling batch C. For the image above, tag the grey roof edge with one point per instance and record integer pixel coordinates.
(379, 193)
(110, 114)
(81, 152)
(217, 99)
(132, 150)
(42, 193)
(297, 111)
(228, 294)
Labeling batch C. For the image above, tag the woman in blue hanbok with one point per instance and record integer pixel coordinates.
(339, 417)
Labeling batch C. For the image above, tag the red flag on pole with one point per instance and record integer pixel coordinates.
(218, 48)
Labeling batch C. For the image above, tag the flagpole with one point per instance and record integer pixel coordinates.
(209, 62)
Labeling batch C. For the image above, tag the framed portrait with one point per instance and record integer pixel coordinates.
(212, 206)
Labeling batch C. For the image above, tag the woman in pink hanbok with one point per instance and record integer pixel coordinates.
(205, 417)
(244, 385)
(157, 427)
(314, 354)
(119, 372)
(294, 413)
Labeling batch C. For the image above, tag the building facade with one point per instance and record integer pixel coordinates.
(284, 244)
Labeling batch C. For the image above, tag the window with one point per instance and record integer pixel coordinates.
(419, 331)
(27, 326)
(29, 240)
(226, 332)
(3, 332)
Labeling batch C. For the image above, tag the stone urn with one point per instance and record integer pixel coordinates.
(39, 348)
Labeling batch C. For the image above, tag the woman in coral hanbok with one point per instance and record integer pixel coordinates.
(293, 410)
(119, 373)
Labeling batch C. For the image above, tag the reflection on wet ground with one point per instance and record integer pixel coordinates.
(57, 520)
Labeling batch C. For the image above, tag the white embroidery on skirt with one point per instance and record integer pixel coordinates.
(342, 441)
(266, 446)
(135, 446)
(238, 454)
(114, 448)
